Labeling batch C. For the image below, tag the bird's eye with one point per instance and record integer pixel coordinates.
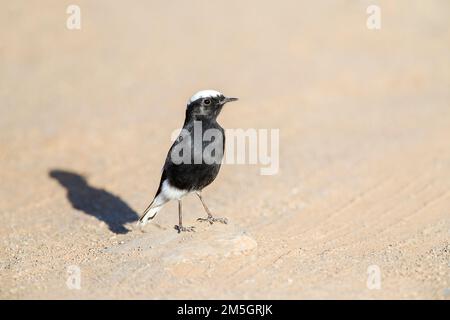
(207, 101)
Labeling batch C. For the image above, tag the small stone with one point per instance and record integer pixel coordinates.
(233, 243)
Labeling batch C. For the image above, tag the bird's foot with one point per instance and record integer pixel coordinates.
(184, 229)
(212, 219)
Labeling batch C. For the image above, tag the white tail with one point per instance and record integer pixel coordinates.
(152, 209)
(166, 194)
(149, 214)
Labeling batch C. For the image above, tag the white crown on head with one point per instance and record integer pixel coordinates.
(205, 94)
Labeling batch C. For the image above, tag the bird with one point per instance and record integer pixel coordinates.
(199, 166)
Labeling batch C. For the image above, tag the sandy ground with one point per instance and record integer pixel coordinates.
(364, 119)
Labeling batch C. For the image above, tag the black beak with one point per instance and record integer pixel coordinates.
(228, 99)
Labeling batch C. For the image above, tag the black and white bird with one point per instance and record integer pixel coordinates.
(198, 166)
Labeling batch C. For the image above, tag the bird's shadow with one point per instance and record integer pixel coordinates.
(96, 202)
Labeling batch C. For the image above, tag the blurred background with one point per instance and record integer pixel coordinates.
(364, 118)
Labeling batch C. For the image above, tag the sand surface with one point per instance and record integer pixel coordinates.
(364, 120)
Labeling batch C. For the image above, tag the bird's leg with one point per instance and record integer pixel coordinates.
(180, 227)
(210, 217)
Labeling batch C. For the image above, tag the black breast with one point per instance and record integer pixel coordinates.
(194, 159)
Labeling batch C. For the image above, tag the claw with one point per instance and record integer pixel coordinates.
(205, 220)
(184, 229)
(211, 220)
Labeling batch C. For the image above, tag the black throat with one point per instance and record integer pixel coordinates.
(197, 114)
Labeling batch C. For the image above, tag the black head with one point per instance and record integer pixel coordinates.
(206, 104)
